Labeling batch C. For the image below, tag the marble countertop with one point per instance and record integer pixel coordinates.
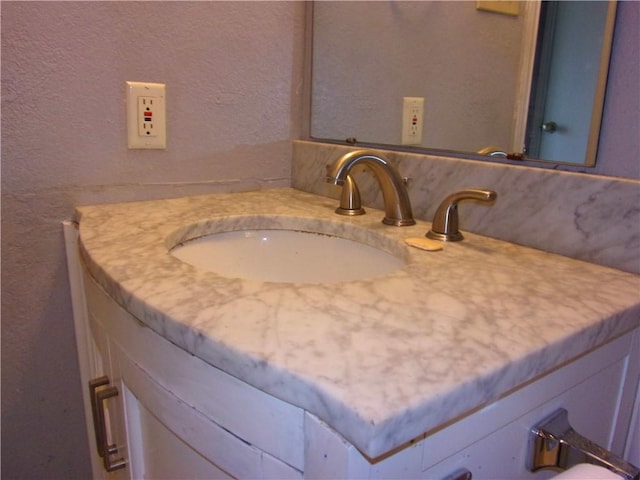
(381, 360)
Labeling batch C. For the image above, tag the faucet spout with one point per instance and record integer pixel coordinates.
(397, 206)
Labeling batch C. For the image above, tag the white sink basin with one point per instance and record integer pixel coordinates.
(292, 256)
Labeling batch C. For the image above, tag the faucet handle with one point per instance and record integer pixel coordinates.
(445, 221)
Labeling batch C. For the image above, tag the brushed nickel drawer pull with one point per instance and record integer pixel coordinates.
(100, 391)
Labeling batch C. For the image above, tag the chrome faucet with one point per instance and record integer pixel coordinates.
(397, 206)
(445, 221)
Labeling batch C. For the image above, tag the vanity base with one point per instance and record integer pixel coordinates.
(181, 416)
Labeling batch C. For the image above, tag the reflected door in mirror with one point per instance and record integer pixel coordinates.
(566, 81)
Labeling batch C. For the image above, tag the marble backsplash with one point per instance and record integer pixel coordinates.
(584, 216)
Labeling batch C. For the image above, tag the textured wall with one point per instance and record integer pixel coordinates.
(233, 73)
(619, 148)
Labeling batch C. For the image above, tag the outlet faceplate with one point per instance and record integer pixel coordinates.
(412, 118)
(146, 115)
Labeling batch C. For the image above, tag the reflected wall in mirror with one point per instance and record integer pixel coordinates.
(489, 80)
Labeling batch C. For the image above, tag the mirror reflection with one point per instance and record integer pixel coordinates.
(516, 79)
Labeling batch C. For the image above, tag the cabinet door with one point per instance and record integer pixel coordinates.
(108, 409)
(161, 430)
(164, 435)
(96, 374)
(147, 447)
(159, 453)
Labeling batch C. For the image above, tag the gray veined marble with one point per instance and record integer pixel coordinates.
(380, 360)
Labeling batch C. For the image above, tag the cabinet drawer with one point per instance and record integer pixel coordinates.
(503, 453)
(168, 437)
(597, 389)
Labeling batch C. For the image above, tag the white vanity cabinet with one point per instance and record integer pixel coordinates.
(107, 398)
(178, 417)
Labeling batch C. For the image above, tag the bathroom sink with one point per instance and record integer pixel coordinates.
(289, 255)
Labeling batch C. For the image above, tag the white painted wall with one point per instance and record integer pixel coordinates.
(233, 73)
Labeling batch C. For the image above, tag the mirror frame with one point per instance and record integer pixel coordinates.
(524, 88)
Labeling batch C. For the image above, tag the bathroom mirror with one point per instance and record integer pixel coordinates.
(521, 79)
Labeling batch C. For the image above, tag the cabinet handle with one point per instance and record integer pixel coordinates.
(555, 444)
(99, 393)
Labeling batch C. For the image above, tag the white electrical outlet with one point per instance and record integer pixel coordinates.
(146, 115)
(412, 119)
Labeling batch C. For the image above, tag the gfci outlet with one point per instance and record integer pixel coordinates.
(146, 115)
(412, 119)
